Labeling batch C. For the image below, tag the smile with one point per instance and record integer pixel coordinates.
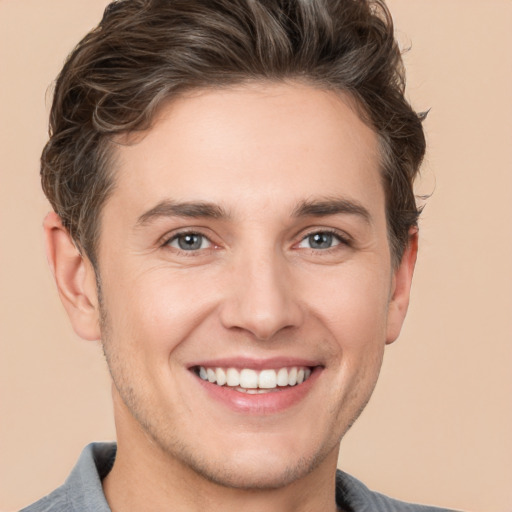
(248, 380)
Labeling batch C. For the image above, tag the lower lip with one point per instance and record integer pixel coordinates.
(260, 403)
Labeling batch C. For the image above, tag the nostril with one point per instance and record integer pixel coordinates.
(262, 302)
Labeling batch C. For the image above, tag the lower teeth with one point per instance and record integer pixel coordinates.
(252, 391)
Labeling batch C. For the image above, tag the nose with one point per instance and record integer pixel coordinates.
(261, 297)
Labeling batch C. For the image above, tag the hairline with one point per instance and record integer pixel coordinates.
(108, 144)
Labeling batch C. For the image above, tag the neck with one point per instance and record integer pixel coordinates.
(145, 478)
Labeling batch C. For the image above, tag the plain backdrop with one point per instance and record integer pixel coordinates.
(439, 426)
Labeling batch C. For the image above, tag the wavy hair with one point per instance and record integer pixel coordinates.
(145, 52)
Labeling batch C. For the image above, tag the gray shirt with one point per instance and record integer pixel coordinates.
(82, 491)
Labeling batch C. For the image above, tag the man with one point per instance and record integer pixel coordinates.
(234, 219)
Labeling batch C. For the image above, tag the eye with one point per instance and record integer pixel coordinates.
(189, 242)
(320, 240)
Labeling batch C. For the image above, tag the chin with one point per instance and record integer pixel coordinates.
(251, 474)
(259, 468)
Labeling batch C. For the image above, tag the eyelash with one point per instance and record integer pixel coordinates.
(166, 243)
(342, 239)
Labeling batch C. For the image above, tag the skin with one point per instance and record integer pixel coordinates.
(255, 288)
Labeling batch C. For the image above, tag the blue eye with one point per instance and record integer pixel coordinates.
(189, 242)
(320, 240)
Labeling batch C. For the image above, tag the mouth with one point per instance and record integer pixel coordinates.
(258, 386)
(251, 381)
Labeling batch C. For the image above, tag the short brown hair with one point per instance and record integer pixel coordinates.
(144, 52)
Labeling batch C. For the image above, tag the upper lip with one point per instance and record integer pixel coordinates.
(255, 364)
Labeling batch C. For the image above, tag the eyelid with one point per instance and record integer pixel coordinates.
(176, 238)
(165, 240)
(343, 237)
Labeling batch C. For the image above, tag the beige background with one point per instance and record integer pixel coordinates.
(439, 427)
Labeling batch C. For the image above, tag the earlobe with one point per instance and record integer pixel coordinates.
(401, 288)
(75, 278)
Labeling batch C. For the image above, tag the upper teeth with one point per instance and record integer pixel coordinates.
(252, 379)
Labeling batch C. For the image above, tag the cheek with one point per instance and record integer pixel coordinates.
(353, 304)
(155, 310)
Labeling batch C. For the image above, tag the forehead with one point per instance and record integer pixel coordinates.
(260, 146)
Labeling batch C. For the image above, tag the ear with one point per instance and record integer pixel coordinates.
(401, 288)
(75, 278)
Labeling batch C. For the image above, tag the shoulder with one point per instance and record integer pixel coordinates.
(354, 495)
(82, 491)
(57, 501)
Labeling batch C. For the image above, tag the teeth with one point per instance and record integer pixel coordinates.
(221, 376)
(282, 377)
(292, 376)
(233, 377)
(267, 379)
(254, 391)
(248, 379)
(251, 381)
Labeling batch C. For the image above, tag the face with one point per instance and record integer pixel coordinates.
(247, 284)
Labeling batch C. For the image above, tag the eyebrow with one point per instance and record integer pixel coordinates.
(202, 209)
(170, 208)
(331, 206)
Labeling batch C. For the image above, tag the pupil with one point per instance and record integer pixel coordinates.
(320, 240)
(189, 242)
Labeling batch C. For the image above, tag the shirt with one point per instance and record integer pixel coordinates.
(82, 491)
